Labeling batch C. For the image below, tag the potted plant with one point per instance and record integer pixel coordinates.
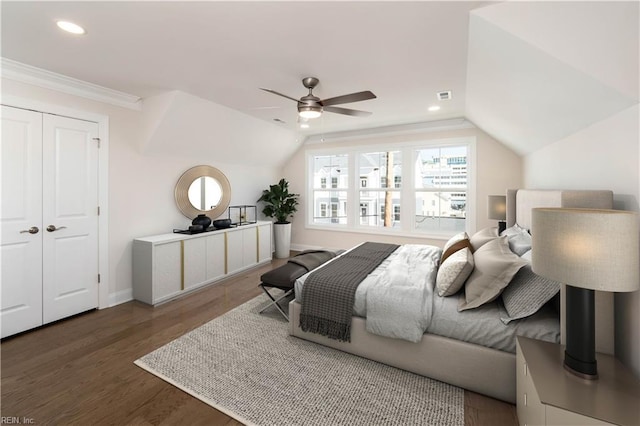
(280, 204)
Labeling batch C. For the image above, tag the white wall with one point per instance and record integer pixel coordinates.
(605, 155)
(141, 186)
(497, 170)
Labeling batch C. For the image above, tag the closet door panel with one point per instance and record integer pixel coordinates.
(21, 212)
(70, 216)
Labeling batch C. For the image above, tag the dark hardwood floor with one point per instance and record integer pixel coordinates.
(80, 370)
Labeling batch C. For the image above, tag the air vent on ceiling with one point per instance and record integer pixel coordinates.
(444, 96)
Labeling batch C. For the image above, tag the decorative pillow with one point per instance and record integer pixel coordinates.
(527, 256)
(482, 237)
(454, 271)
(455, 248)
(513, 230)
(520, 244)
(495, 266)
(527, 293)
(456, 238)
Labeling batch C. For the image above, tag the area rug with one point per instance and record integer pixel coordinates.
(246, 365)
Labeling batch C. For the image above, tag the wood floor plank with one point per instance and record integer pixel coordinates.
(80, 371)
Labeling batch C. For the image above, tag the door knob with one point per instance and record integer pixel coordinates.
(52, 228)
(32, 230)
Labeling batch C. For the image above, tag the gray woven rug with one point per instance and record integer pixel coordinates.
(247, 366)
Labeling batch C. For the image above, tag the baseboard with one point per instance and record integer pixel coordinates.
(121, 296)
(302, 247)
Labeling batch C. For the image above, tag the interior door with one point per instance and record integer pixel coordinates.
(70, 216)
(21, 220)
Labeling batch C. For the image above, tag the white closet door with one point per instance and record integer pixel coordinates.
(70, 217)
(21, 211)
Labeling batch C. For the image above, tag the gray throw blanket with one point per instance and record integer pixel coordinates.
(329, 292)
(311, 259)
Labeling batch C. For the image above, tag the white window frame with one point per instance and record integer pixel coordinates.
(407, 192)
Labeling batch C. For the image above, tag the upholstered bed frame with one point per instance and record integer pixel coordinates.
(477, 368)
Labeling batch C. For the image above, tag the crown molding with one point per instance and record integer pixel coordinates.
(28, 74)
(400, 129)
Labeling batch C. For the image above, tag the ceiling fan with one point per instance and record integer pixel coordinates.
(311, 106)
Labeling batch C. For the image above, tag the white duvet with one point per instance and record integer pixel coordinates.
(399, 304)
(396, 298)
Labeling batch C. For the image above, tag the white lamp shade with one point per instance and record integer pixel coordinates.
(586, 248)
(497, 206)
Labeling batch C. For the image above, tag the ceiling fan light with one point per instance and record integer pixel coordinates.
(309, 112)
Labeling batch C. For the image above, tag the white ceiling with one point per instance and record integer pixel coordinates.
(497, 58)
(225, 51)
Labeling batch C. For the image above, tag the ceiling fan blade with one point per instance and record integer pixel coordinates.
(347, 111)
(346, 99)
(279, 94)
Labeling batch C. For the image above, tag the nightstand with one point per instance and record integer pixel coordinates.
(550, 395)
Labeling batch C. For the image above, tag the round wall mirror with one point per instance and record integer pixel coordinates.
(203, 190)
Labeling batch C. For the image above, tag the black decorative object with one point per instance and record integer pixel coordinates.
(222, 223)
(195, 229)
(202, 220)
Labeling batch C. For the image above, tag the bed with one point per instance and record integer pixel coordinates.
(486, 368)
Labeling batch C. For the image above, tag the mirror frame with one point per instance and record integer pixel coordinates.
(182, 191)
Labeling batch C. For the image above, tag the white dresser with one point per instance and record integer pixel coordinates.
(550, 395)
(170, 265)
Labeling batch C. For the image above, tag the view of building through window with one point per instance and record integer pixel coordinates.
(441, 189)
(439, 186)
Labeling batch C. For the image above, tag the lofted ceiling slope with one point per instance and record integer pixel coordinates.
(538, 72)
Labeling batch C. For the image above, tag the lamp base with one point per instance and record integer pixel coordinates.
(588, 371)
(580, 350)
(501, 227)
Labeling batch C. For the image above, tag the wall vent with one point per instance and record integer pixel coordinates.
(444, 96)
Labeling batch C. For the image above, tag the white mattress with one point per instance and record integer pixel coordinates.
(481, 326)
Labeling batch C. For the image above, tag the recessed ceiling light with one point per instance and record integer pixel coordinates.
(304, 125)
(434, 108)
(70, 27)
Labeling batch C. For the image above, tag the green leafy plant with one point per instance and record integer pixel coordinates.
(279, 202)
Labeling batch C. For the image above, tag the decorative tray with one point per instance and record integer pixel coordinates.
(209, 229)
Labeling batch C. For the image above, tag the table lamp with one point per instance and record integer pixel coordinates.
(497, 205)
(587, 250)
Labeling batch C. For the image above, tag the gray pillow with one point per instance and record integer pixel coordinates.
(482, 237)
(527, 293)
(495, 266)
(453, 272)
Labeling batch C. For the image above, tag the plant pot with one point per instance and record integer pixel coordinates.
(282, 236)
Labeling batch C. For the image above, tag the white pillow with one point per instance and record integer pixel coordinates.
(519, 239)
(520, 244)
(453, 272)
(513, 230)
(482, 237)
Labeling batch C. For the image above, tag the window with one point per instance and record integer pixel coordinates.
(420, 187)
(382, 167)
(334, 169)
(396, 181)
(442, 185)
(323, 209)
